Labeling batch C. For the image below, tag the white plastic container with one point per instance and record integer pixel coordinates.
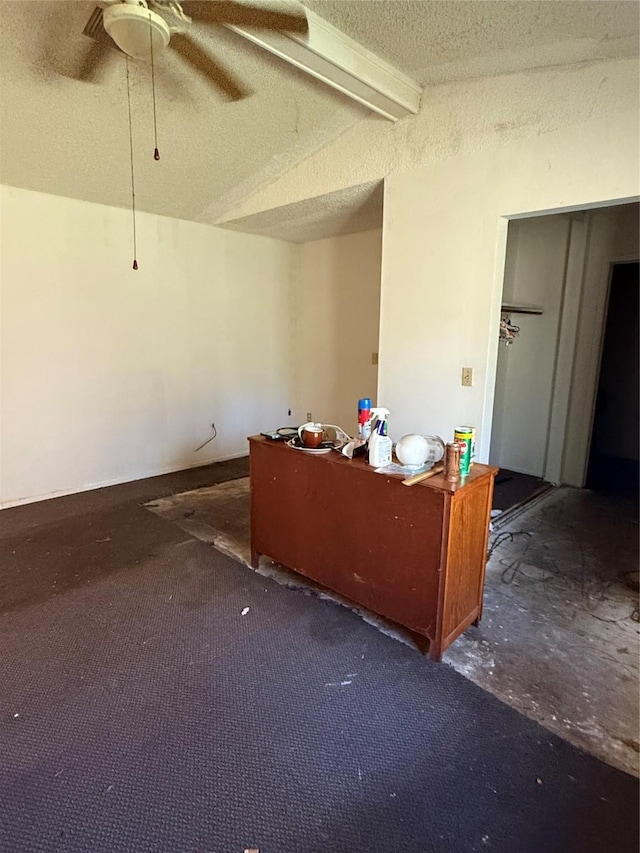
(380, 445)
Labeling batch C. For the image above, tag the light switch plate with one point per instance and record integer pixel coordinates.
(467, 376)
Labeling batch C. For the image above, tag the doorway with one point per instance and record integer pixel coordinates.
(530, 320)
(556, 284)
(561, 593)
(613, 457)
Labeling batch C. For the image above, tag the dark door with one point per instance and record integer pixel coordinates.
(613, 460)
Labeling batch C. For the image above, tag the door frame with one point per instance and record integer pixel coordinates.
(578, 348)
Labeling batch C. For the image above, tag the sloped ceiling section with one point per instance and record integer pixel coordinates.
(448, 42)
(70, 138)
(346, 211)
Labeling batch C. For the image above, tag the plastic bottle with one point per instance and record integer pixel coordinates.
(379, 443)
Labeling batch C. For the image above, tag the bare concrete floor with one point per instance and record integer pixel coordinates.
(560, 637)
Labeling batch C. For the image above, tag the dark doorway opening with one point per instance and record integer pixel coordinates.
(613, 459)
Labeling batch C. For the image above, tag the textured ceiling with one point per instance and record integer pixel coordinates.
(69, 138)
(441, 40)
(346, 211)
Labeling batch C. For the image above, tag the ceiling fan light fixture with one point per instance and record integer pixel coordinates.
(129, 27)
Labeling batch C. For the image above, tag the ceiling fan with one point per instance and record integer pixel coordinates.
(142, 29)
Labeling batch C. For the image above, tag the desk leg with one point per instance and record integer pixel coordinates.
(423, 643)
(427, 646)
(435, 652)
(255, 558)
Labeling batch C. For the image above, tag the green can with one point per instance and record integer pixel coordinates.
(466, 438)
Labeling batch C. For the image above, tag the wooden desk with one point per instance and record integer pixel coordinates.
(415, 555)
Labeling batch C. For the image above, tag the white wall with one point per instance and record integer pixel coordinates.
(110, 375)
(534, 274)
(337, 315)
(479, 153)
(441, 295)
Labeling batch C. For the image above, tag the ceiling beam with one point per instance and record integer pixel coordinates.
(340, 62)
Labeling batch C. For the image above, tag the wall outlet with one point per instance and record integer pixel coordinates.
(374, 358)
(467, 376)
(309, 417)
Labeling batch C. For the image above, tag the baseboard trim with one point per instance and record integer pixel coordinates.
(118, 481)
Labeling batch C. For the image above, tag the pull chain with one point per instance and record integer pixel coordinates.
(156, 153)
(133, 185)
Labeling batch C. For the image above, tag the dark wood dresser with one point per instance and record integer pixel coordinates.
(414, 555)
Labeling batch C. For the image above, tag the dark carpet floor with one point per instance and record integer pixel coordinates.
(141, 711)
(512, 488)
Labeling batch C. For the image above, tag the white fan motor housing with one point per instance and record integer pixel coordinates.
(133, 27)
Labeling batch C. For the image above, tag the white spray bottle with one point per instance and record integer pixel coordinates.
(379, 442)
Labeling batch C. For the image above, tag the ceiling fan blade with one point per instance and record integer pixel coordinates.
(229, 12)
(94, 28)
(206, 65)
(97, 53)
